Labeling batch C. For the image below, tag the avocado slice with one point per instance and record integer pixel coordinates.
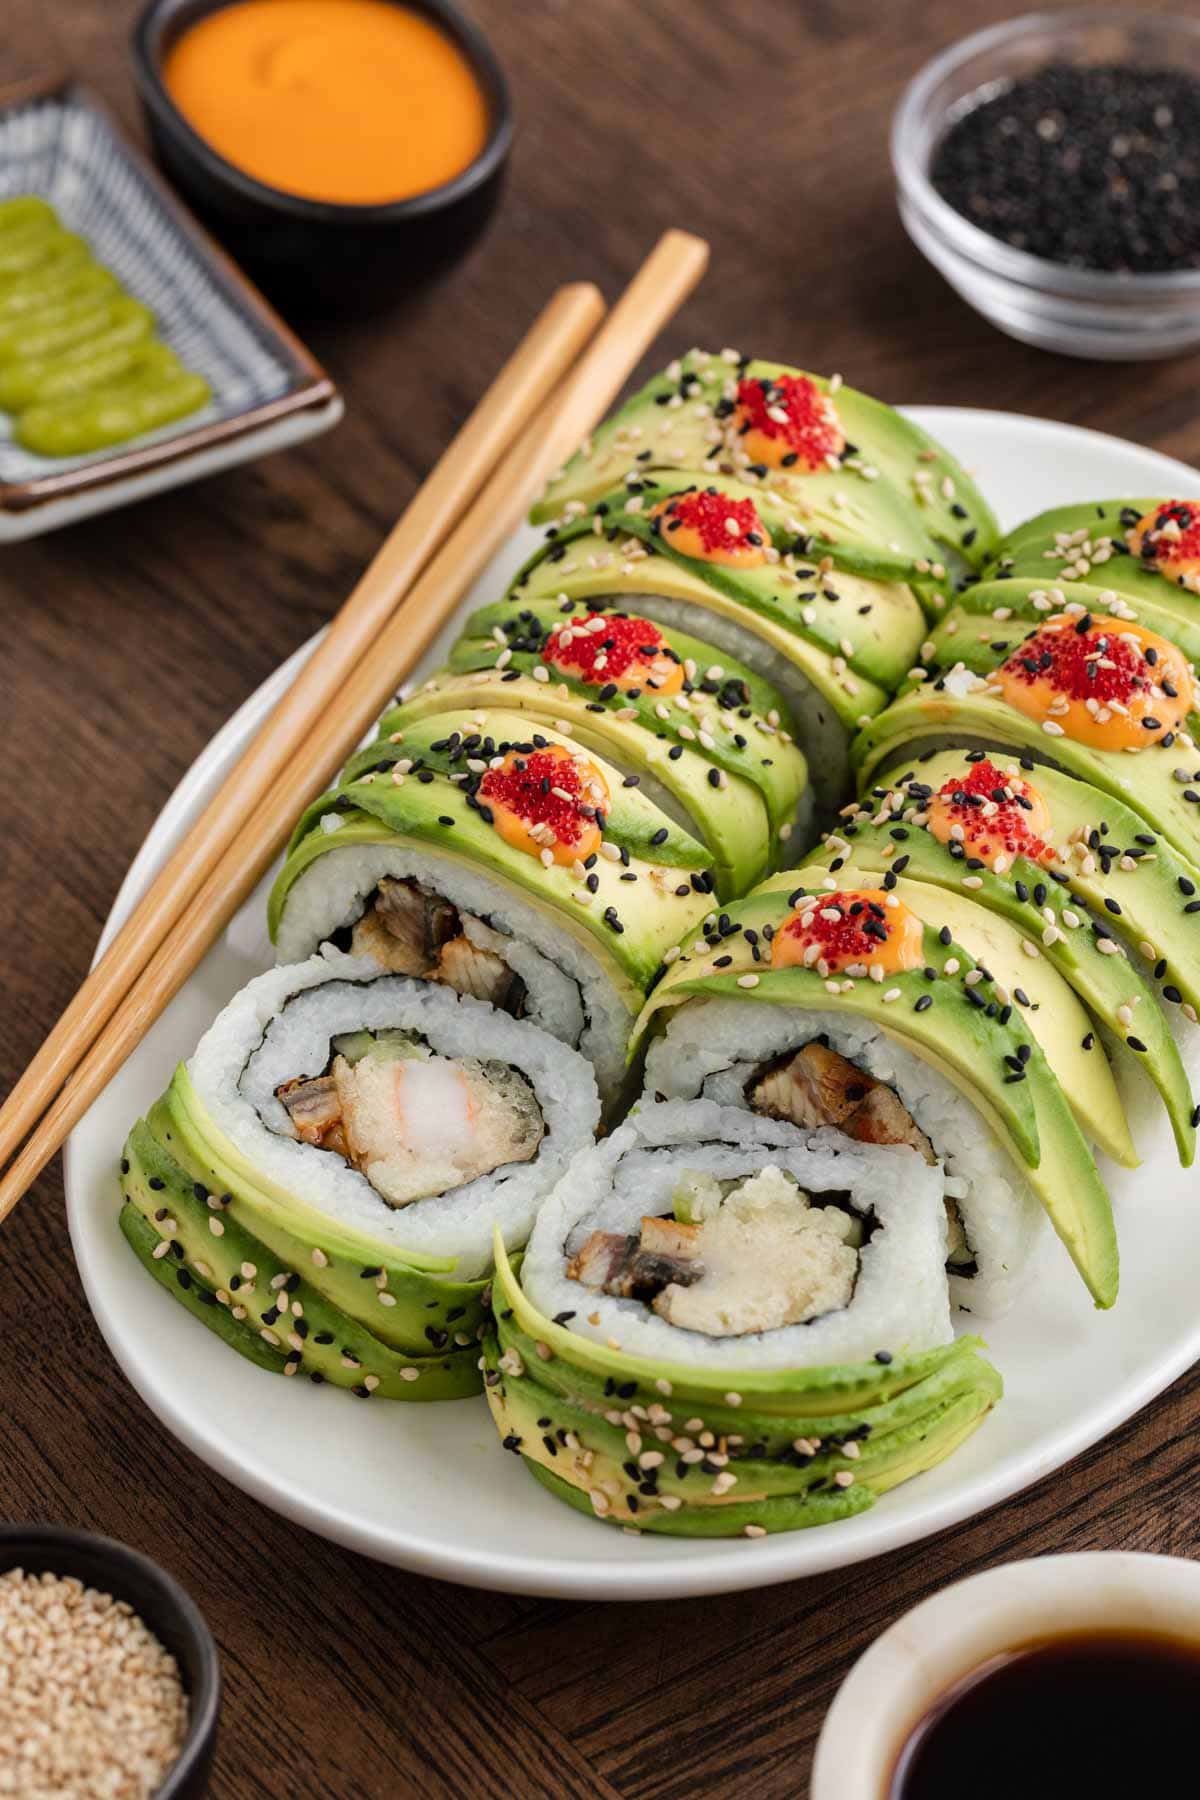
(628, 924)
(1161, 784)
(955, 1029)
(996, 614)
(826, 703)
(216, 1249)
(870, 618)
(607, 1431)
(1136, 899)
(666, 745)
(899, 500)
(1086, 543)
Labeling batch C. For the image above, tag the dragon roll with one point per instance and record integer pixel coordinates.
(720, 1329)
(322, 1182)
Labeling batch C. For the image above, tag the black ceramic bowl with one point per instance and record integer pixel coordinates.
(161, 1603)
(316, 254)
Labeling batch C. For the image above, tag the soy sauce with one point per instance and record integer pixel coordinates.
(1096, 1714)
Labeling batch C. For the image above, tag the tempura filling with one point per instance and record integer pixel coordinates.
(408, 931)
(815, 1086)
(414, 1123)
(736, 1257)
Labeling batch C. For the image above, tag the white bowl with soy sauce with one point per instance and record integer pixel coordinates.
(1065, 1675)
(1048, 168)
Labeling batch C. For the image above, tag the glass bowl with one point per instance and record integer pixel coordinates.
(1079, 312)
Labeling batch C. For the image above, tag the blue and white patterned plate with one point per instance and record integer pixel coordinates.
(57, 140)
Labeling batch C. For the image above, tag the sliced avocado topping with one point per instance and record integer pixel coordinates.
(897, 499)
(1154, 784)
(1135, 907)
(730, 816)
(1055, 1016)
(628, 923)
(633, 573)
(792, 1447)
(282, 1313)
(1087, 543)
(992, 613)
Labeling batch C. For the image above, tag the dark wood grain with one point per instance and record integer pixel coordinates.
(127, 641)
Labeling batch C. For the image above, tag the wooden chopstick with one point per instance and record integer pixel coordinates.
(539, 362)
(664, 281)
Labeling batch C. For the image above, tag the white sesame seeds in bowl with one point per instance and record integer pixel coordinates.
(109, 1675)
(1095, 313)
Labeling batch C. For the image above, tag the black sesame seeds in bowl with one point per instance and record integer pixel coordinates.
(1049, 167)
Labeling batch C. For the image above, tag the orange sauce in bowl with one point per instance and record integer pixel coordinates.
(352, 101)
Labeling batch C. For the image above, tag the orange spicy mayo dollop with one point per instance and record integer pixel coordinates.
(352, 101)
(854, 928)
(1112, 686)
(710, 526)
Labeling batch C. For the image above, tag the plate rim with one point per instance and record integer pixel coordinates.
(725, 1565)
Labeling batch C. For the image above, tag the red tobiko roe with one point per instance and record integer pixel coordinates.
(709, 513)
(810, 433)
(1169, 534)
(1087, 661)
(988, 823)
(853, 926)
(547, 800)
(613, 647)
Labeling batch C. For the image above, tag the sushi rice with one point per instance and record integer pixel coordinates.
(282, 1025)
(570, 995)
(899, 1300)
(713, 1049)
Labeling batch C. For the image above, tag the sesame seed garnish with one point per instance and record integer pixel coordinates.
(93, 1702)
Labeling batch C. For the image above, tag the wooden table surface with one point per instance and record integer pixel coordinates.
(128, 640)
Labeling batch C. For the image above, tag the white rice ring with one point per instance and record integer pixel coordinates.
(900, 1301)
(258, 1041)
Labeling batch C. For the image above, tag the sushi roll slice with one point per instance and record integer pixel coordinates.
(1064, 866)
(733, 566)
(663, 707)
(870, 486)
(499, 858)
(720, 1329)
(1110, 702)
(1147, 549)
(862, 1009)
(322, 1182)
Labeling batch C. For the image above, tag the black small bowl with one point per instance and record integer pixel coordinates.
(161, 1603)
(316, 254)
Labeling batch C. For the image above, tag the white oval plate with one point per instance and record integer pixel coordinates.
(427, 1487)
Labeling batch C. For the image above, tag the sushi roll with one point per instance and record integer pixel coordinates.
(1063, 866)
(1106, 700)
(721, 1329)
(321, 1183)
(494, 855)
(735, 566)
(871, 487)
(862, 1009)
(666, 709)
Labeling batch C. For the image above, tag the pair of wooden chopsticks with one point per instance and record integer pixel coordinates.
(544, 401)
